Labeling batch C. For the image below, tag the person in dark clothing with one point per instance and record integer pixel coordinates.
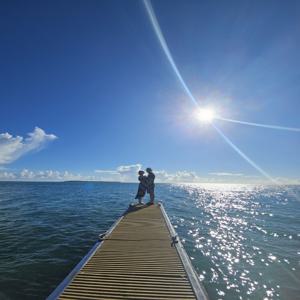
(150, 184)
(142, 187)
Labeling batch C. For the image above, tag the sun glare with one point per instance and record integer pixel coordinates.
(206, 115)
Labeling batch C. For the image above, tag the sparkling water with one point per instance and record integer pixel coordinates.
(243, 240)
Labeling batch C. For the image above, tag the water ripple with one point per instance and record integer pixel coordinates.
(243, 240)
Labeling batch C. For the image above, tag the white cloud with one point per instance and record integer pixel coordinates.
(108, 175)
(12, 148)
(7, 176)
(129, 169)
(226, 174)
(179, 176)
(128, 173)
(125, 173)
(47, 175)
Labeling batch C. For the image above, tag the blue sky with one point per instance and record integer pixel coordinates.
(92, 76)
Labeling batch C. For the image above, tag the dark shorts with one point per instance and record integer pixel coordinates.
(150, 190)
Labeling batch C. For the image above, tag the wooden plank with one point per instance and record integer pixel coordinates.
(135, 261)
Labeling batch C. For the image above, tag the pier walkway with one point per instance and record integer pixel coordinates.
(137, 259)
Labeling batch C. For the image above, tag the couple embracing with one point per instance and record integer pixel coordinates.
(146, 185)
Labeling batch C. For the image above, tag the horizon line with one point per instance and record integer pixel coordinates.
(134, 182)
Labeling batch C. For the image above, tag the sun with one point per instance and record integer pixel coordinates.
(205, 115)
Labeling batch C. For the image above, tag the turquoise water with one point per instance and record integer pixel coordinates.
(244, 241)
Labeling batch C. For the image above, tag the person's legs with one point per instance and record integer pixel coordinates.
(151, 196)
(142, 193)
(139, 196)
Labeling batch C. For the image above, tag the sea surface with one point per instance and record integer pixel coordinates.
(243, 240)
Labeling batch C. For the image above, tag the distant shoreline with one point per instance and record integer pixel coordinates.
(133, 182)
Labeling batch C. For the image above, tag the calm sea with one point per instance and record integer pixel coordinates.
(244, 241)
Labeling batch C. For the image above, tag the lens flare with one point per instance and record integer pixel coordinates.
(164, 46)
(260, 125)
(244, 156)
(208, 115)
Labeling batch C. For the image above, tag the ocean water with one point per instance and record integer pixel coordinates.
(243, 240)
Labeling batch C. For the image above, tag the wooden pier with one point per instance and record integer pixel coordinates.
(140, 257)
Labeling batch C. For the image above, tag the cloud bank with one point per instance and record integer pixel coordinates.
(226, 174)
(47, 175)
(12, 148)
(125, 173)
(128, 173)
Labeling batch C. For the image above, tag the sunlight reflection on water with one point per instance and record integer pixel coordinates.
(242, 240)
